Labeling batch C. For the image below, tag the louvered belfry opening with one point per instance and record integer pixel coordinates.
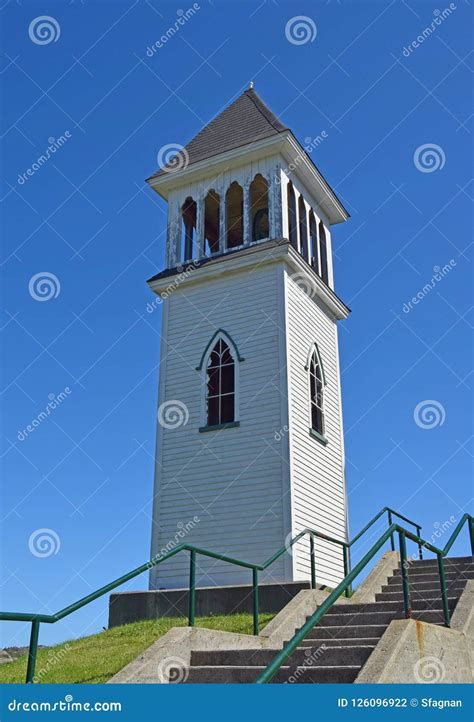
(188, 214)
(260, 223)
(235, 215)
(211, 222)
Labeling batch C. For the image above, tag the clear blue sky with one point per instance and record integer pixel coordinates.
(87, 217)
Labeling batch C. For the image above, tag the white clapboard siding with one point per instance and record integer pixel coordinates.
(232, 480)
(317, 471)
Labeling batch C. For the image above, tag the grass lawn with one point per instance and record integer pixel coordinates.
(97, 658)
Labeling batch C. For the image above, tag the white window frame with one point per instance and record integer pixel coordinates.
(314, 349)
(218, 336)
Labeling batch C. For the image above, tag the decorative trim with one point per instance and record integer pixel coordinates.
(158, 469)
(211, 342)
(314, 347)
(217, 427)
(316, 435)
(286, 396)
(256, 254)
(284, 143)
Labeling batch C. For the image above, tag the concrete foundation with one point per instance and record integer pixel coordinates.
(127, 607)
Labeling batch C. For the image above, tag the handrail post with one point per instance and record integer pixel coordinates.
(256, 626)
(32, 651)
(345, 551)
(192, 589)
(392, 540)
(420, 545)
(471, 534)
(404, 572)
(313, 561)
(444, 593)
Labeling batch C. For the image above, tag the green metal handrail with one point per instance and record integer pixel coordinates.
(390, 514)
(281, 657)
(37, 619)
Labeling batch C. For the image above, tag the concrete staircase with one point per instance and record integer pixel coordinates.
(338, 647)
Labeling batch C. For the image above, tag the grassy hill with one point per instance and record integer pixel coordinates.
(97, 658)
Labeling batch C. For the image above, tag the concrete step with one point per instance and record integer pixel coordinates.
(341, 642)
(347, 631)
(466, 572)
(312, 655)
(288, 675)
(435, 616)
(448, 562)
(431, 595)
(349, 610)
(433, 578)
(395, 585)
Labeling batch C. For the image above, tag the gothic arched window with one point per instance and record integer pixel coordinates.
(219, 366)
(316, 391)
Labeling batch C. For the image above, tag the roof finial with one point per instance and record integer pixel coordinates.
(251, 85)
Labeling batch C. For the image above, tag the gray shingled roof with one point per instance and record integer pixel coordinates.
(246, 120)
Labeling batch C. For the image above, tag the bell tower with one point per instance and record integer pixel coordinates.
(250, 445)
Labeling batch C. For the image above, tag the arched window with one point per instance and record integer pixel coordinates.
(313, 234)
(316, 390)
(291, 202)
(220, 377)
(234, 203)
(303, 225)
(259, 208)
(188, 215)
(211, 221)
(324, 253)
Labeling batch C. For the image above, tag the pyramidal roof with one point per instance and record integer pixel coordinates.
(246, 120)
